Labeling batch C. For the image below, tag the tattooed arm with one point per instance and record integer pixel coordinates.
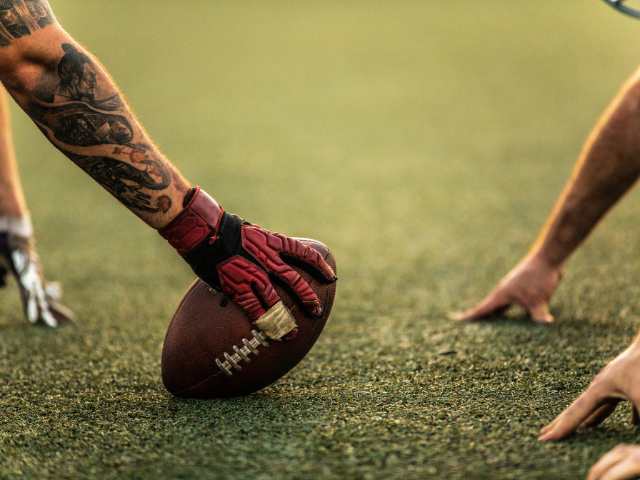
(76, 105)
(79, 109)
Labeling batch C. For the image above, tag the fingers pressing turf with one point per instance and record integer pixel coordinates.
(569, 420)
(605, 463)
(540, 313)
(493, 304)
(497, 304)
(600, 414)
(620, 463)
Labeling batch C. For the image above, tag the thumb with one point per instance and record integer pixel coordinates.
(495, 302)
(540, 312)
(574, 415)
(245, 283)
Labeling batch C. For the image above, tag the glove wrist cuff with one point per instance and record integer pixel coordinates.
(199, 220)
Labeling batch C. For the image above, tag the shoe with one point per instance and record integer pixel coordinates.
(40, 299)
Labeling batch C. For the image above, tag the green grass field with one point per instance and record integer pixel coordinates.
(425, 143)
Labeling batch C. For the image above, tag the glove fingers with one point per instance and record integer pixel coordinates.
(294, 248)
(248, 286)
(52, 295)
(306, 295)
(266, 248)
(36, 305)
(46, 316)
(43, 307)
(61, 313)
(298, 285)
(31, 307)
(39, 299)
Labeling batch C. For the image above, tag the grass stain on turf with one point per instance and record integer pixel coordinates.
(425, 143)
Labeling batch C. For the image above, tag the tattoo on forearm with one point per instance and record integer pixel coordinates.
(125, 181)
(94, 129)
(76, 123)
(22, 17)
(87, 119)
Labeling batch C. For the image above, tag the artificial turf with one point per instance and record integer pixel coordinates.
(425, 143)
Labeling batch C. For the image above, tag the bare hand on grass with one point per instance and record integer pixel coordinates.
(530, 285)
(617, 382)
(620, 463)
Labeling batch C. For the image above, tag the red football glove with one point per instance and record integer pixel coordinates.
(236, 257)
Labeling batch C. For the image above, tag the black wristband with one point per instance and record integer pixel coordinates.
(205, 257)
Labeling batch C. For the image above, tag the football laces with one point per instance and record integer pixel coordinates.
(250, 346)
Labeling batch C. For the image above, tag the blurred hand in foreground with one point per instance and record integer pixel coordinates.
(620, 463)
(530, 284)
(617, 382)
(40, 299)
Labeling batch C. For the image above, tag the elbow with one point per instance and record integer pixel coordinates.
(28, 63)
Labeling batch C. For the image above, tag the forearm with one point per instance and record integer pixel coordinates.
(608, 166)
(76, 105)
(12, 202)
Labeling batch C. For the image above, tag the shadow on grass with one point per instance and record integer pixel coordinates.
(13, 325)
(260, 403)
(562, 324)
(520, 319)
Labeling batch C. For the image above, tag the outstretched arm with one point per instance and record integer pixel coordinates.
(608, 166)
(12, 202)
(76, 105)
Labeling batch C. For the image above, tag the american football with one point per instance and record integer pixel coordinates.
(212, 349)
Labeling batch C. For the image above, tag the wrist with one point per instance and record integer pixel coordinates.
(199, 220)
(205, 257)
(17, 225)
(550, 260)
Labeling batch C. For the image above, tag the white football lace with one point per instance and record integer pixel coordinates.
(242, 354)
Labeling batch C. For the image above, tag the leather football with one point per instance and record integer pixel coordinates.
(212, 349)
